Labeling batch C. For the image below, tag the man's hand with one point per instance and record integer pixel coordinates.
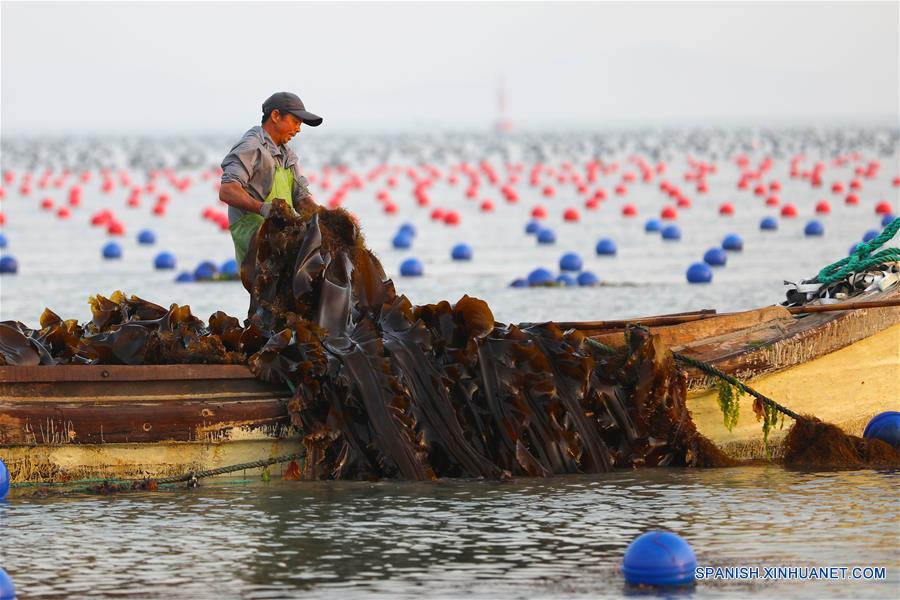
(305, 204)
(265, 209)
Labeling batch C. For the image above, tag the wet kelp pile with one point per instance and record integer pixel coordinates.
(382, 388)
(386, 389)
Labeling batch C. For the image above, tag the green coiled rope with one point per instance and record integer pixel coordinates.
(862, 258)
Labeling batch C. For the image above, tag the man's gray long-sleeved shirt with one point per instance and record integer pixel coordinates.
(251, 163)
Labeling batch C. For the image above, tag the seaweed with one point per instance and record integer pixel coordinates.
(385, 389)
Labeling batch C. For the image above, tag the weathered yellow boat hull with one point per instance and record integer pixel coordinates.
(846, 387)
(73, 462)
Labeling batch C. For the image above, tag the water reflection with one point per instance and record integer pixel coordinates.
(556, 537)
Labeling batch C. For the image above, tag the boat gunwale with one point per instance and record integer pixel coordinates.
(76, 373)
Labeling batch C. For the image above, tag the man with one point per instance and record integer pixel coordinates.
(260, 168)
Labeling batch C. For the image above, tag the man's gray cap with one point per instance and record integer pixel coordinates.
(288, 102)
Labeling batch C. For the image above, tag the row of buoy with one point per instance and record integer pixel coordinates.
(701, 272)
(207, 270)
(542, 277)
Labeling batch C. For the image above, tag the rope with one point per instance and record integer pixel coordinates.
(189, 476)
(711, 370)
(862, 258)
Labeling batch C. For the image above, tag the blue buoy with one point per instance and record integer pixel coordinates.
(769, 224)
(518, 283)
(671, 232)
(565, 280)
(533, 227)
(9, 264)
(588, 279)
(540, 276)
(4, 486)
(164, 260)
(230, 268)
(885, 220)
(733, 242)
(2, 240)
(7, 589)
(814, 229)
(402, 240)
(461, 252)
(408, 229)
(184, 277)
(652, 225)
(205, 271)
(884, 427)
(715, 257)
(606, 247)
(871, 235)
(112, 250)
(570, 262)
(699, 273)
(546, 236)
(146, 237)
(412, 267)
(659, 558)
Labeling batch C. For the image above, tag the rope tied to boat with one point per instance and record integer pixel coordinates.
(108, 486)
(862, 258)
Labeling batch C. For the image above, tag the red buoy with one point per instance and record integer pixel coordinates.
(47, 204)
(837, 187)
(451, 218)
(591, 203)
(856, 184)
(669, 213)
(883, 208)
(773, 200)
(629, 210)
(549, 191)
(539, 212)
(115, 228)
(437, 214)
(63, 213)
(571, 215)
(726, 209)
(851, 199)
(390, 208)
(788, 210)
(774, 187)
(823, 208)
(487, 206)
(621, 190)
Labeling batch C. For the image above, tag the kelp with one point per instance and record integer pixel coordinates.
(385, 389)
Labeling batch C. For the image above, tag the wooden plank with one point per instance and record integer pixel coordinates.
(146, 422)
(90, 390)
(123, 372)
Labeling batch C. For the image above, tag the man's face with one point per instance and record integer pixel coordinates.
(286, 126)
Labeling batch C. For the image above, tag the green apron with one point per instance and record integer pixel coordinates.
(243, 230)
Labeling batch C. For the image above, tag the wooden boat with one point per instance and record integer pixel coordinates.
(76, 422)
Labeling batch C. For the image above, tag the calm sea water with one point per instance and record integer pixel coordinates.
(553, 538)
(550, 538)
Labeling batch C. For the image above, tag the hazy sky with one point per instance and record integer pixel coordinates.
(207, 66)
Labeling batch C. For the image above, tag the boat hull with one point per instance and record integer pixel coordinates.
(81, 422)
